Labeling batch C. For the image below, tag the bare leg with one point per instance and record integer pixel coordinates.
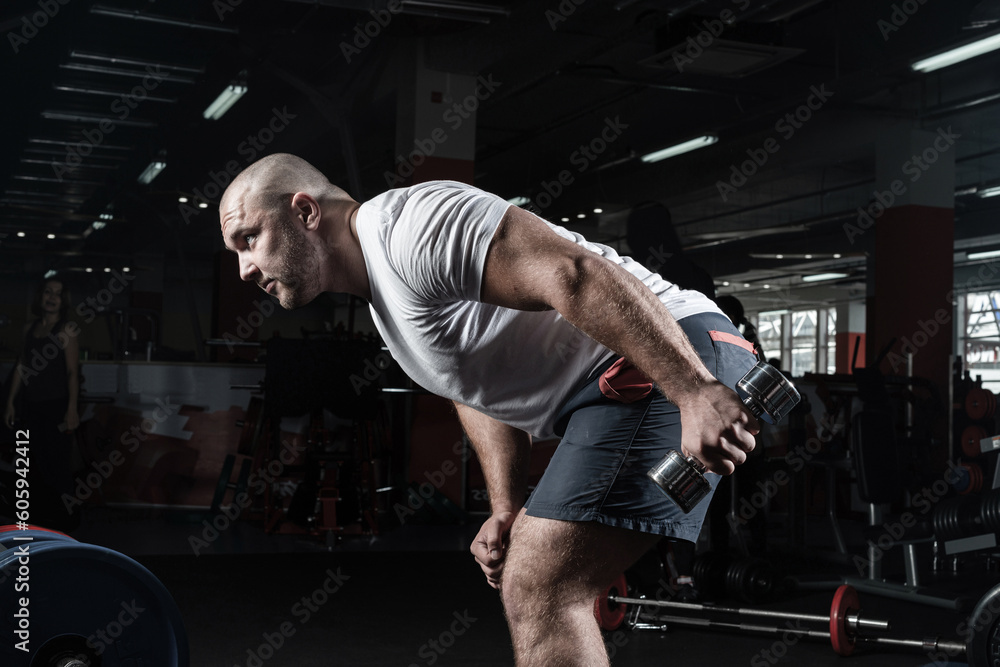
(552, 574)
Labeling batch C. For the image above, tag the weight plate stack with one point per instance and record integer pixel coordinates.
(989, 511)
(956, 517)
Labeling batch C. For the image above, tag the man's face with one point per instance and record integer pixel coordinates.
(274, 253)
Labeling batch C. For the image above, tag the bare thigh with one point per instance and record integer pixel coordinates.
(574, 560)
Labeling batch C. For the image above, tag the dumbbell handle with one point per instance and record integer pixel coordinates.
(766, 393)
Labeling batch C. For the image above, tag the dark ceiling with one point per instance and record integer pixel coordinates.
(76, 135)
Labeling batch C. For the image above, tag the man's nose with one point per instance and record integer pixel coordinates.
(247, 269)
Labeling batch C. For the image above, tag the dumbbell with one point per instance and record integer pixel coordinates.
(767, 394)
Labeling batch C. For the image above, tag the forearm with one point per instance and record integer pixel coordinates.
(503, 452)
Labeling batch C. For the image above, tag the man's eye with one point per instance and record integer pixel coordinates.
(249, 238)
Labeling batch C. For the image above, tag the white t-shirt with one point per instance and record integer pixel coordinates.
(425, 248)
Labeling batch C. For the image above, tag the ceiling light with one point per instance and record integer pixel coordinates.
(581, 215)
(152, 171)
(20, 235)
(226, 99)
(564, 219)
(126, 269)
(89, 270)
(202, 204)
(50, 236)
(989, 192)
(684, 147)
(984, 255)
(836, 255)
(817, 277)
(182, 200)
(598, 210)
(958, 54)
(779, 256)
(809, 256)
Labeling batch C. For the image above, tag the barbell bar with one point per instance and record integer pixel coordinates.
(846, 624)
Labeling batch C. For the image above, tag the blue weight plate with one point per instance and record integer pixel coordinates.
(85, 599)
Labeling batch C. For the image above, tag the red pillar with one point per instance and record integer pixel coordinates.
(913, 267)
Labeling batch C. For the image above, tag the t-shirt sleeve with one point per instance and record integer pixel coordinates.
(440, 238)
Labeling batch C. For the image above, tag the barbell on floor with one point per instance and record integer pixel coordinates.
(844, 628)
(70, 604)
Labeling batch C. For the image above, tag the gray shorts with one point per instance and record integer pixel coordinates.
(598, 471)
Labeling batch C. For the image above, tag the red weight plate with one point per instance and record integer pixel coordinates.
(976, 478)
(610, 615)
(970, 440)
(979, 403)
(845, 601)
(7, 529)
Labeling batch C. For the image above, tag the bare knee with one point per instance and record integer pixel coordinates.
(530, 589)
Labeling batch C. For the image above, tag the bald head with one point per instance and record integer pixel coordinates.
(272, 179)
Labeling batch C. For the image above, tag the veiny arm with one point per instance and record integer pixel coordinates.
(530, 267)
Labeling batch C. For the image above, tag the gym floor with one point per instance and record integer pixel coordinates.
(415, 597)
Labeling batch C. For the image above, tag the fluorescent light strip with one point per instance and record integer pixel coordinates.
(989, 254)
(989, 192)
(822, 276)
(226, 99)
(151, 172)
(958, 54)
(684, 147)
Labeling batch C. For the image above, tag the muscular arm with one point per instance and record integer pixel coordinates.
(530, 267)
(503, 455)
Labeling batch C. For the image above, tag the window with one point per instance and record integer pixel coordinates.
(803, 340)
(981, 340)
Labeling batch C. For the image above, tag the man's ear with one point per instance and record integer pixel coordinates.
(307, 209)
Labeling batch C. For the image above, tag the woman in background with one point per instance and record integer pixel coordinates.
(47, 378)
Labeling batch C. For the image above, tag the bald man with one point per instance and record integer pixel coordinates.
(531, 331)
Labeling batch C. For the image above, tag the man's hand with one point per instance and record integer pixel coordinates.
(490, 545)
(716, 428)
